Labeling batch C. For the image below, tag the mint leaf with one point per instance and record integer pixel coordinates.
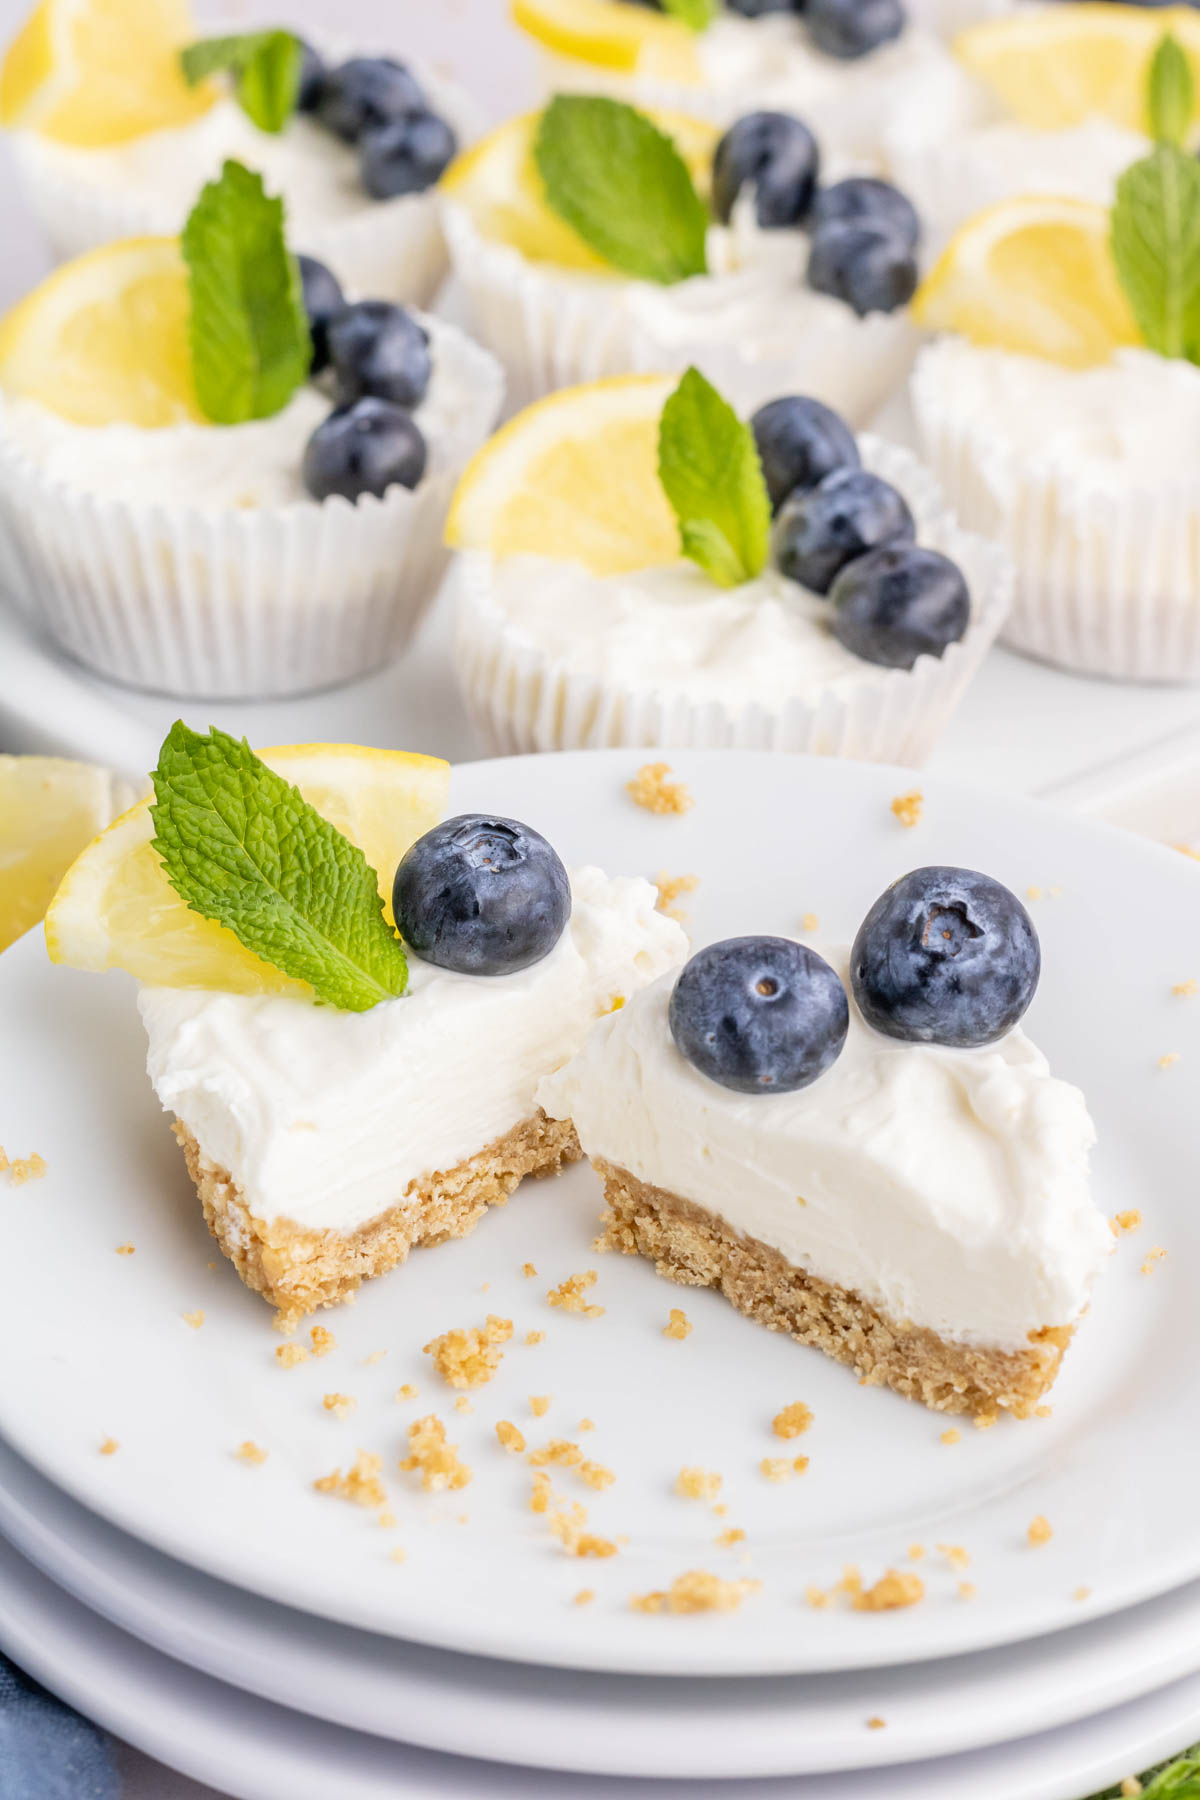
(249, 335)
(1156, 247)
(266, 67)
(709, 468)
(695, 14)
(1170, 93)
(1177, 1780)
(620, 183)
(243, 847)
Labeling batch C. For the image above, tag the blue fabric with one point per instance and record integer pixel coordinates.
(47, 1752)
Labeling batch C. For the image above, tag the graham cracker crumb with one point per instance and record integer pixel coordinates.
(876, 1724)
(584, 1597)
(289, 1356)
(916, 1552)
(985, 1420)
(569, 1294)
(1033, 893)
(733, 1534)
(966, 1590)
(1043, 1412)
(436, 1460)
(399, 1555)
(1129, 1220)
(952, 1436)
(792, 1421)
(1130, 1788)
(194, 1319)
(955, 1555)
(376, 1356)
(1040, 1530)
(678, 1324)
(528, 1271)
(469, 1357)
(539, 1405)
(595, 1475)
(1082, 1593)
(360, 1484)
(698, 1484)
(782, 1468)
(386, 1520)
(559, 1453)
(907, 807)
(109, 1447)
(23, 1168)
(810, 922)
(125, 1249)
(653, 788)
(1169, 1060)
(510, 1437)
(894, 1589)
(669, 889)
(586, 1425)
(1155, 1256)
(463, 1405)
(407, 1392)
(250, 1452)
(534, 1337)
(720, 1510)
(1184, 989)
(569, 1526)
(696, 1591)
(340, 1404)
(539, 1500)
(817, 1598)
(323, 1341)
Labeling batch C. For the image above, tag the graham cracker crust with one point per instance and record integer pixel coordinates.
(689, 1245)
(298, 1269)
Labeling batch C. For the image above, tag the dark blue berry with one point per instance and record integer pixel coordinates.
(323, 297)
(817, 533)
(863, 200)
(799, 442)
(406, 156)
(377, 348)
(945, 956)
(895, 604)
(761, 1015)
(312, 78)
(775, 154)
(866, 265)
(481, 895)
(365, 448)
(758, 9)
(853, 28)
(364, 92)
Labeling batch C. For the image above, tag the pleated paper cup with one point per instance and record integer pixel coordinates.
(552, 327)
(521, 699)
(1107, 578)
(228, 603)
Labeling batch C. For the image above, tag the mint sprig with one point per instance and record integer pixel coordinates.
(695, 14)
(710, 471)
(620, 182)
(250, 341)
(242, 846)
(1170, 93)
(266, 67)
(1155, 238)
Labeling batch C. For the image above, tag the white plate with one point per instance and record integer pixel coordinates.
(102, 1347)
(591, 1723)
(255, 1751)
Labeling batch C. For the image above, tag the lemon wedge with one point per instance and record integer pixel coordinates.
(611, 34)
(99, 72)
(116, 909)
(1033, 274)
(574, 477)
(49, 809)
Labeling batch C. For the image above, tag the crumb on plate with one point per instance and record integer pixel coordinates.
(698, 1484)
(470, 1356)
(360, 1484)
(433, 1458)
(792, 1421)
(907, 807)
(678, 1324)
(653, 788)
(1040, 1530)
(696, 1591)
(569, 1294)
(250, 1452)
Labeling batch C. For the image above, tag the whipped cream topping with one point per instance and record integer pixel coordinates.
(948, 1187)
(325, 1117)
(1130, 423)
(253, 465)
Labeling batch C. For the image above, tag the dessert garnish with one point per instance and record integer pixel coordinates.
(1156, 216)
(266, 68)
(760, 1015)
(846, 29)
(481, 896)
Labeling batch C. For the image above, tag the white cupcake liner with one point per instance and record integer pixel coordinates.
(238, 604)
(391, 250)
(1107, 581)
(554, 327)
(522, 700)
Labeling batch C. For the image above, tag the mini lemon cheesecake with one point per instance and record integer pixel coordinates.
(120, 110)
(349, 1034)
(594, 239)
(639, 566)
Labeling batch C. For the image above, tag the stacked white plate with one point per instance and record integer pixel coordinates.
(241, 1626)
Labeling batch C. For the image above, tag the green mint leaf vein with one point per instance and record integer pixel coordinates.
(620, 182)
(695, 14)
(250, 340)
(1170, 93)
(709, 468)
(1156, 247)
(266, 68)
(242, 846)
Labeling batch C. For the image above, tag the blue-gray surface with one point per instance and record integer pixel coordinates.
(47, 1752)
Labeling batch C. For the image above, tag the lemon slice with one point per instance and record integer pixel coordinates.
(498, 183)
(1057, 66)
(574, 477)
(611, 34)
(99, 72)
(49, 809)
(1036, 275)
(104, 340)
(115, 908)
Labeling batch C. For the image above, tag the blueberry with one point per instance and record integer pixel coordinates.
(778, 156)
(866, 265)
(852, 28)
(323, 298)
(760, 1015)
(895, 604)
(366, 91)
(482, 896)
(377, 348)
(312, 78)
(945, 956)
(862, 200)
(799, 443)
(817, 533)
(757, 9)
(406, 156)
(365, 448)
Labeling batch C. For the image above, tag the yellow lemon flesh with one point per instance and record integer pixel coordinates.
(49, 809)
(611, 34)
